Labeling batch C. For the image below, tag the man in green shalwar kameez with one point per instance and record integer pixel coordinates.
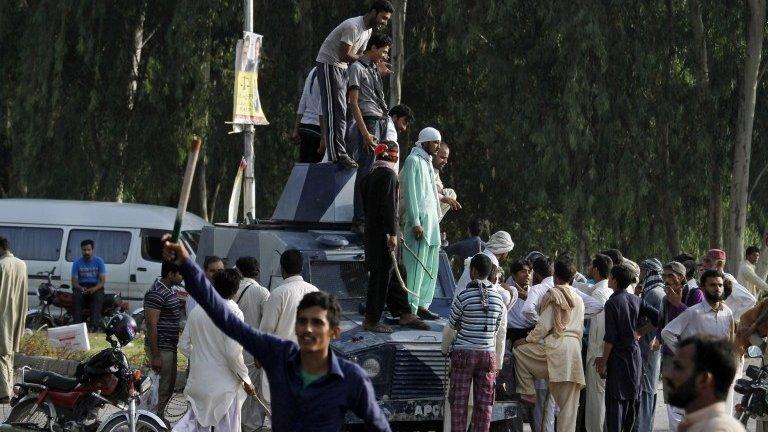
(421, 223)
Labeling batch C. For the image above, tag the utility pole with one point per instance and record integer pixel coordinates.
(249, 187)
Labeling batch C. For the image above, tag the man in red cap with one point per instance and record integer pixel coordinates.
(379, 193)
(740, 300)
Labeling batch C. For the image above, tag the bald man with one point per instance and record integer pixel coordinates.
(447, 196)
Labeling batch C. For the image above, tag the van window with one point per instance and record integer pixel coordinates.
(152, 245)
(32, 243)
(111, 246)
(192, 238)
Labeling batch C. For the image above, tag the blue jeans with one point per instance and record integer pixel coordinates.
(648, 384)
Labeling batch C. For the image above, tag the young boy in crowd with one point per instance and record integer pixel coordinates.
(621, 362)
(475, 337)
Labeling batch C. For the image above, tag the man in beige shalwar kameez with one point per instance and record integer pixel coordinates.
(13, 313)
(552, 350)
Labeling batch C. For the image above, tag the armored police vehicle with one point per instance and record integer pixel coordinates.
(407, 369)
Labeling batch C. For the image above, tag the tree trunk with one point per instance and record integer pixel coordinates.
(706, 107)
(133, 85)
(398, 53)
(671, 227)
(737, 215)
(762, 264)
(202, 179)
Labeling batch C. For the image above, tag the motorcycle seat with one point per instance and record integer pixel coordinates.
(51, 380)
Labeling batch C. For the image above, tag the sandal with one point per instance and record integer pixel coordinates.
(416, 324)
(377, 328)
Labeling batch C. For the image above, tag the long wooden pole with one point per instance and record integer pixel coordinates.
(186, 185)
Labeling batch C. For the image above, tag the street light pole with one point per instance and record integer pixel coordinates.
(249, 186)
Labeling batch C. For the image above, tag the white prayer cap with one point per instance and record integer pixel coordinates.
(429, 134)
(500, 242)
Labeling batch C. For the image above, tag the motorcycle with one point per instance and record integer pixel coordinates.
(754, 390)
(64, 299)
(46, 401)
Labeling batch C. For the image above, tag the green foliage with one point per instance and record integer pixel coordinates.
(559, 114)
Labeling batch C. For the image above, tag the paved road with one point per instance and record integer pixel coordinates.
(177, 408)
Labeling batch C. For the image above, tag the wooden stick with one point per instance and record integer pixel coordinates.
(399, 276)
(186, 186)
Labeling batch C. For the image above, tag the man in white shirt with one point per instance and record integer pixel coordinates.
(279, 311)
(217, 375)
(594, 413)
(250, 298)
(712, 317)
(703, 370)
(592, 307)
(747, 275)
(740, 300)
(343, 46)
(307, 132)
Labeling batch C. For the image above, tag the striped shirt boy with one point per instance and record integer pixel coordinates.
(476, 314)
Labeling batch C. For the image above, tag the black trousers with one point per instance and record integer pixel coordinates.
(384, 289)
(309, 137)
(514, 334)
(620, 415)
(94, 301)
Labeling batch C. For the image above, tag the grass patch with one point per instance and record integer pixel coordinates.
(37, 344)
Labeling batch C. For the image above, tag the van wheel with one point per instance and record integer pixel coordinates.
(509, 425)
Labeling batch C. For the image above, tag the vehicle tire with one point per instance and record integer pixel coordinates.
(509, 425)
(144, 423)
(35, 321)
(28, 412)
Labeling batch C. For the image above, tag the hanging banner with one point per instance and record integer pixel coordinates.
(247, 106)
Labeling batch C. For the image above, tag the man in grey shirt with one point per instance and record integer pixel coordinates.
(369, 110)
(343, 46)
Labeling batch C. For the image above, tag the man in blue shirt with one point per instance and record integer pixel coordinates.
(311, 388)
(89, 274)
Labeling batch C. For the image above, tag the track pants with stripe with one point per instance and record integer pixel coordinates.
(333, 98)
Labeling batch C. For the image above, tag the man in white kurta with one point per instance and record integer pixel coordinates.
(250, 298)
(554, 354)
(217, 374)
(747, 275)
(13, 313)
(711, 317)
(279, 312)
(594, 412)
(740, 300)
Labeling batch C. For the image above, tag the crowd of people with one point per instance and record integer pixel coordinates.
(587, 348)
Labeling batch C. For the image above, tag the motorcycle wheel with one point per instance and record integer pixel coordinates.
(35, 322)
(144, 423)
(29, 413)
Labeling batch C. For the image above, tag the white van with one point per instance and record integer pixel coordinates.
(47, 234)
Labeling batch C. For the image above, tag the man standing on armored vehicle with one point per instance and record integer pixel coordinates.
(379, 191)
(422, 222)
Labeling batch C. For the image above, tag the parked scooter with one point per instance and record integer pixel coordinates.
(45, 401)
(63, 299)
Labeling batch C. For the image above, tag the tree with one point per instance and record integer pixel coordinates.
(737, 215)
